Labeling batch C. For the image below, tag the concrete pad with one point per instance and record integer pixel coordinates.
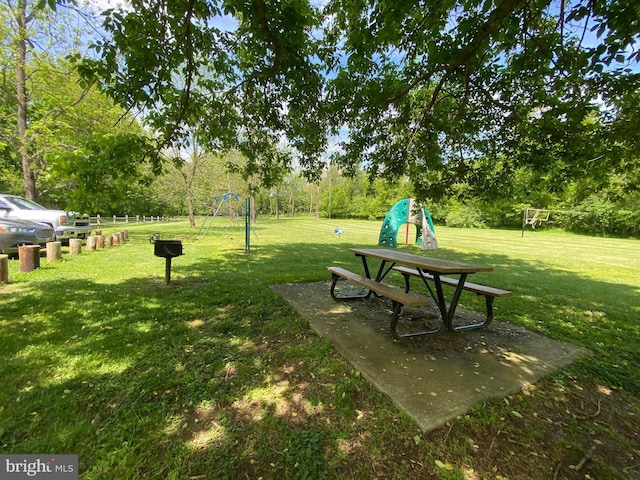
(436, 378)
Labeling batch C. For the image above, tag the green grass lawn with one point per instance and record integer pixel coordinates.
(215, 376)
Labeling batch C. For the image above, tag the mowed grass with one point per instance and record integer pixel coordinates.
(215, 375)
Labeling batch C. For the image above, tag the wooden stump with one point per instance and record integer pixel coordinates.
(75, 246)
(125, 234)
(54, 251)
(99, 241)
(107, 241)
(91, 243)
(4, 268)
(29, 257)
(98, 233)
(115, 239)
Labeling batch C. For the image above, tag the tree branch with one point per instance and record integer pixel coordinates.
(464, 55)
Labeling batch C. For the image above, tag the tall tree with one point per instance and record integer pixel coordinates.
(32, 30)
(22, 20)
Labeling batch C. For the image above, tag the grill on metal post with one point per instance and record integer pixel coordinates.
(166, 249)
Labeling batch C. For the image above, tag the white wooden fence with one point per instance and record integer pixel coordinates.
(100, 221)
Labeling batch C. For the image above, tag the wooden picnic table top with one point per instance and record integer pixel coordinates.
(428, 264)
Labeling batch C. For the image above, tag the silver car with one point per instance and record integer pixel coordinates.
(14, 233)
(65, 224)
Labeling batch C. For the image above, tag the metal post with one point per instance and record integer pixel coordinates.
(247, 226)
(167, 271)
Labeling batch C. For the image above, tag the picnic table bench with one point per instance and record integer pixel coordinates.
(398, 297)
(489, 293)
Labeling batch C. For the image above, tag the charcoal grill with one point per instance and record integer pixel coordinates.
(167, 249)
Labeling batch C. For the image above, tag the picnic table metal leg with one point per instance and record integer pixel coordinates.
(382, 272)
(394, 325)
(365, 266)
(334, 281)
(442, 304)
(447, 314)
(454, 301)
(487, 321)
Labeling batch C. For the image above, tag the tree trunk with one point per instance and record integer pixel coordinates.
(192, 215)
(28, 174)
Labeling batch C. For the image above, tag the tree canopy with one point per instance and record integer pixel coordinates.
(246, 87)
(445, 92)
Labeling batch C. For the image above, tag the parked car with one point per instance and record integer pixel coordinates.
(14, 233)
(66, 225)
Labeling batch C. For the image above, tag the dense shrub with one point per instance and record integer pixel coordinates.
(464, 216)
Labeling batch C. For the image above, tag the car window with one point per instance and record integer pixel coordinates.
(24, 204)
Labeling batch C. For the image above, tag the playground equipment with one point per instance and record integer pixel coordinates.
(234, 209)
(408, 211)
(533, 216)
(227, 204)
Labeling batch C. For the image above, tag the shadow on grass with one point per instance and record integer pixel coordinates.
(215, 374)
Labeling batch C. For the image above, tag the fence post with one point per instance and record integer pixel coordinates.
(137, 218)
(114, 221)
(126, 219)
(98, 220)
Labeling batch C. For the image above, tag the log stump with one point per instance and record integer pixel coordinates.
(75, 246)
(107, 241)
(54, 251)
(29, 256)
(4, 268)
(91, 243)
(99, 241)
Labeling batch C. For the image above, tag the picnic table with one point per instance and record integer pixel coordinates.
(429, 270)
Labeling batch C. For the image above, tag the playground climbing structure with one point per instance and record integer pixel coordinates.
(408, 211)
